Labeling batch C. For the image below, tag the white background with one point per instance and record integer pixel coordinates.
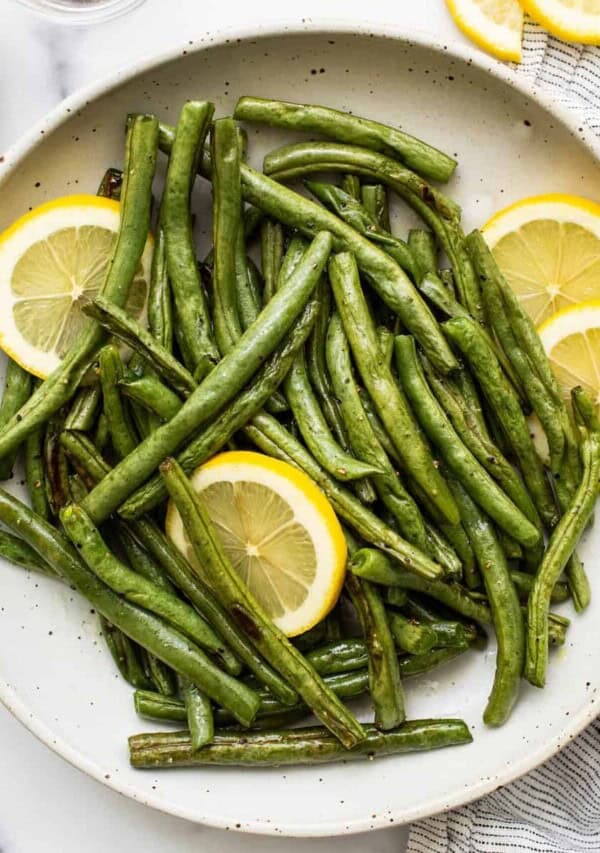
(46, 806)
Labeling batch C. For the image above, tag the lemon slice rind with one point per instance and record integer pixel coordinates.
(494, 25)
(548, 248)
(566, 339)
(35, 229)
(565, 21)
(310, 511)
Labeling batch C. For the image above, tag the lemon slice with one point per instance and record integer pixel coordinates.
(51, 260)
(278, 529)
(495, 25)
(571, 338)
(572, 20)
(548, 247)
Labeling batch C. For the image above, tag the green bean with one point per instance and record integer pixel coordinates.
(241, 410)
(453, 534)
(297, 746)
(564, 539)
(317, 368)
(218, 388)
(101, 434)
(520, 322)
(437, 293)
(139, 559)
(281, 269)
(275, 440)
(529, 341)
(141, 626)
(415, 607)
(248, 291)
(435, 290)
(411, 636)
(156, 561)
(468, 391)
(466, 334)
(17, 390)
(453, 635)
(450, 236)
(184, 577)
(451, 594)
(512, 549)
(485, 451)
(134, 587)
(271, 236)
(227, 223)
(346, 127)
(82, 414)
(387, 398)
(364, 441)
(385, 686)
(333, 625)
(314, 430)
(55, 464)
(423, 249)
(521, 343)
(159, 673)
(199, 715)
(21, 554)
(119, 324)
(557, 629)
(538, 395)
(152, 394)
(125, 653)
(111, 184)
(264, 635)
(351, 186)
(121, 429)
(395, 596)
(311, 638)
(133, 232)
(293, 161)
(443, 552)
(339, 656)
(346, 685)
(504, 604)
(523, 583)
(34, 472)
(383, 273)
(461, 462)
(354, 213)
(160, 303)
(374, 198)
(192, 320)
(84, 456)
(310, 418)
(154, 706)
(376, 425)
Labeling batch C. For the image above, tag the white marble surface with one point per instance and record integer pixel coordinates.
(46, 806)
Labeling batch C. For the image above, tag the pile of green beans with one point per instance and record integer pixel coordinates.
(399, 388)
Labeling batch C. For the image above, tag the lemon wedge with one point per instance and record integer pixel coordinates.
(494, 25)
(548, 248)
(571, 338)
(572, 20)
(279, 531)
(51, 260)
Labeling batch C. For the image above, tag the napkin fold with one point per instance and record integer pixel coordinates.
(555, 808)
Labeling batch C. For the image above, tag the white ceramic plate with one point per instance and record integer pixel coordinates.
(55, 674)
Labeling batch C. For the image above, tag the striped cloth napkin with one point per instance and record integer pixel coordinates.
(556, 808)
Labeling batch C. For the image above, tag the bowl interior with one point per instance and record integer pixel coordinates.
(54, 670)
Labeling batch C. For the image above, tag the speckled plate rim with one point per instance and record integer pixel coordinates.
(36, 137)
